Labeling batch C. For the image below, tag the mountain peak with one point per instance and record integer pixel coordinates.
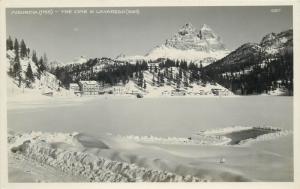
(189, 38)
(188, 24)
(188, 28)
(190, 44)
(207, 33)
(205, 27)
(122, 55)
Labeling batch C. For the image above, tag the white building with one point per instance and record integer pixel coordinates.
(89, 87)
(74, 87)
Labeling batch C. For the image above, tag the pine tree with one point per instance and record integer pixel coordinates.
(17, 69)
(28, 51)
(153, 80)
(16, 47)
(16, 66)
(45, 60)
(23, 51)
(136, 75)
(9, 44)
(34, 57)
(145, 85)
(162, 79)
(41, 65)
(180, 73)
(141, 79)
(178, 81)
(29, 74)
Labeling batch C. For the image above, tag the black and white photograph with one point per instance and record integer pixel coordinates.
(120, 94)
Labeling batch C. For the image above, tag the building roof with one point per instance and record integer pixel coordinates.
(73, 84)
(89, 82)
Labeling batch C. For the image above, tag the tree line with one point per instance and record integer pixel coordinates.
(22, 52)
(258, 74)
(115, 72)
(177, 72)
(112, 73)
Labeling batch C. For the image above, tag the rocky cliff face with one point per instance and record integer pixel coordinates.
(273, 43)
(189, 38)
(199, 46)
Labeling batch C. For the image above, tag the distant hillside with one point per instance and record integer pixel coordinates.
(256, 68)
(28, 71)
(154, 78)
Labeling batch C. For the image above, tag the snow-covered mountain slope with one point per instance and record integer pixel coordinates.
(10, 56)
(77, 60)
(258, 68)
(189, 44)
(189, 55)
(44, 81)
(241, 54)
(133, 58)
(271, 44)
(168, 88)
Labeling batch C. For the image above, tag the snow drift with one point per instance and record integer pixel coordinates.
(138, 158)
(46, 149)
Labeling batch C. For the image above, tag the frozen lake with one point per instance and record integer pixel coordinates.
(157, 116)
(182, 117)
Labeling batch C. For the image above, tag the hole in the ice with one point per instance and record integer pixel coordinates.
(238, 136)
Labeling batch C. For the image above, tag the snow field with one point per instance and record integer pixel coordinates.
(39, 147)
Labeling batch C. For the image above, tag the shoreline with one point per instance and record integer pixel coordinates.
(38, 100)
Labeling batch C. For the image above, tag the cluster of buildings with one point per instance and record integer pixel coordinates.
(85, 87)
(182, 92)
(96, 88)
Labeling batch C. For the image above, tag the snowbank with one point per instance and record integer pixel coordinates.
(213, 136)
(225, 130)
(41, 148)
(112, 158)
(210, 140)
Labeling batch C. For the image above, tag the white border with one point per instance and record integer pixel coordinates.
(138, 3)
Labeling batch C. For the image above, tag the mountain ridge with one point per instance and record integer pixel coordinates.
(201, 46)
(255, 68)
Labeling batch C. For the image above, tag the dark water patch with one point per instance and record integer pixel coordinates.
(237, 137)
(91, 142)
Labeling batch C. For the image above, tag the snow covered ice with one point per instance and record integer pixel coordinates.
(103, 160)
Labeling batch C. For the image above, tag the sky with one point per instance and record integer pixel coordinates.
(64, 34)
